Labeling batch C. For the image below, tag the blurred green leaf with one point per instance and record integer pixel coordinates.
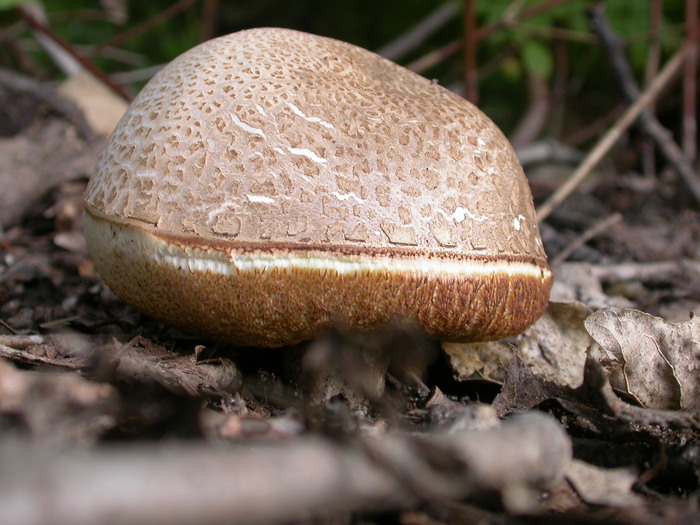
(511, 69)
(10, 4)
(537, 59)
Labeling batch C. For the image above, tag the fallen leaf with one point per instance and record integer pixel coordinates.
(479, 361)
(148, 362)
(597, 486)
(554, 348)
(654, 361)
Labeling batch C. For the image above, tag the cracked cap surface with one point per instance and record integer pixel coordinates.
(271, 150)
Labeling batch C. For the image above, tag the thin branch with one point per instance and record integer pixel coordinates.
(32, 21)
(210, 10)
(46, 94)
(690, 86)
(9, 328)
(537, 115)
(147, 25)
(613, 134)
(287, 481)
(586, 236)
(471, 42)
(27, 358)
(664, 272)
(511, 21)
(648, 152)
(406, 42)
(434, 57)
(662, 137)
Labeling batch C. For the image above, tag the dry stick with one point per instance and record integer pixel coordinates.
(408, 41)
(147, 25)
(654, 272)
(582, 239)
(87, 64)
(26, 358)
(536, 116)
(511, 21)
(434, 57)
(650, 124)
(46, 94)
(652, 68)
(690, 124)
(210, 9)
(21, 342)
(263, 482)
(7, 327)
(471, 82)
(613, 134)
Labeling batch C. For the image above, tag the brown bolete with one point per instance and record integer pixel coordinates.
(269, 183)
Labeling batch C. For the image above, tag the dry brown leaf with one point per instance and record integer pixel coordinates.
(597, 486)
(554, 348)
(148, 362)
(61, 408)
(654, 361)
(474, 361)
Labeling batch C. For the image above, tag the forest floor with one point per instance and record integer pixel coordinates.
(591, 416)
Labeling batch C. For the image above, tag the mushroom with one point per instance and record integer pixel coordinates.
(269, 183)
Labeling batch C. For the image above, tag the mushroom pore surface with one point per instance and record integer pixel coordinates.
(269, 183)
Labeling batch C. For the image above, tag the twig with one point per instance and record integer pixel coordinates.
(548, 151)
(655, 272)
(64, 60)
(21, 341)
(30, 19)
(690, 93)
(654, 54)
(471, 42)
(597, 387)
(662, 137)
(294, 480)
(147, 25)
(537, 115)
(434, 57)
(408, 41)
(510, 21)
(137, 75)
(582, 239)
(7, 327)
(652, 68)
(594, 128)
(210, 9)
(613, 134)
(45, 94)
(21, 356)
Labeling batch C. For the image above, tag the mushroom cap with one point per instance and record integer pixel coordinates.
(269, 183)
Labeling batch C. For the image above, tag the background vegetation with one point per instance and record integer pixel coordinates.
(556, 46)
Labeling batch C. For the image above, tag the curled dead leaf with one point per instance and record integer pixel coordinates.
(656, 362)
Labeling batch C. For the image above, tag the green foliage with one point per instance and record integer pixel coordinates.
(10, 4)
(537, 59)
(629, 18)
(507, 57)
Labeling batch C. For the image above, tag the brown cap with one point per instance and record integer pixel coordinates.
(270, 182)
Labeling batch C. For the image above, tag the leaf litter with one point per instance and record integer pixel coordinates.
(590, 414)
